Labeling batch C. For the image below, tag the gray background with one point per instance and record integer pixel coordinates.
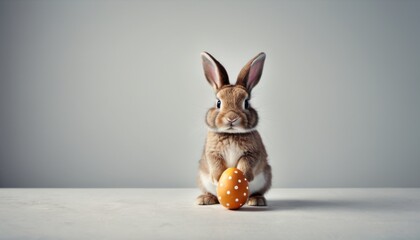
(112, 94)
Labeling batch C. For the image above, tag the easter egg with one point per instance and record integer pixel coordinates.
(232, 189)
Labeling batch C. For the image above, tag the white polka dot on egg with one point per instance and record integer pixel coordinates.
(244, 193)
(236, 171)
(236, 187)
(228, 192)
(239, 181)
(230, 177)
(236, 200)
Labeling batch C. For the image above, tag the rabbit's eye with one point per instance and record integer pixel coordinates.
(218, 103)
(246, 104)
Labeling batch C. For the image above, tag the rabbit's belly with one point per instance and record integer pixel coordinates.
(231, 154)
(208, 184)
(258, 183)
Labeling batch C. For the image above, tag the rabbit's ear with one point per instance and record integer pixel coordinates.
(215, 73)
(251, 73)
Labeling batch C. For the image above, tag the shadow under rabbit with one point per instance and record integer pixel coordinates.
(383, 204)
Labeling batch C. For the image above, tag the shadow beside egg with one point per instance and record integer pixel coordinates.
(247, 208)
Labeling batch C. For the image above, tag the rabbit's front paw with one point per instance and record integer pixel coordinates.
(215, 176)
(249, 176)
(245, 167)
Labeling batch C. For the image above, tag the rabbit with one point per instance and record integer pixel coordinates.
(232, 139)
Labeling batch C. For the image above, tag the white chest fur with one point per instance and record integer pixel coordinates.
(231, 153)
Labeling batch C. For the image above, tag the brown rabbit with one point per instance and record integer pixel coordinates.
(232, 139)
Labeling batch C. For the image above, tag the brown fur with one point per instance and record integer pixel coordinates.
(238, 139)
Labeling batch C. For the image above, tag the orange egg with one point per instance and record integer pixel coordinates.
(232, 190)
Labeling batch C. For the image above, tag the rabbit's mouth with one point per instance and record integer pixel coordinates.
(233, 128)
(236, 129)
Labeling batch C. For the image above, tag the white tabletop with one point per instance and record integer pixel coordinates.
(171, 214)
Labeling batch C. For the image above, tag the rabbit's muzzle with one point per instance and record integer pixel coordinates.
(232, 119)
